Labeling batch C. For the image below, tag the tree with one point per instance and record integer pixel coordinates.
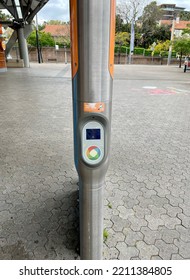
(162, 33)
(45, 39)
(150, 17)
(182, 46)
(122, 38)
(129, 11)
(162, 46)
(121, 26)
(186, 30)
(184, 15)
(4, 17)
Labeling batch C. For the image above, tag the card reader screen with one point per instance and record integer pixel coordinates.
(93, 134)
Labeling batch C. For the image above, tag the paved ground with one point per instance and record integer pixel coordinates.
(147, 193)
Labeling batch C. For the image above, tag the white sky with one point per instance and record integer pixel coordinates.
(59, 9)
(179, 3)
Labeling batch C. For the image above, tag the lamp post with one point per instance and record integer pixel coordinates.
(37, 42)
(65, 50)
(174, 21)
(171, 40)
(132, 40)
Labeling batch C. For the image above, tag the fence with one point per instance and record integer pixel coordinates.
(50, 54)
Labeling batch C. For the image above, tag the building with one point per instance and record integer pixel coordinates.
(171, 11)
(179, 26)
(60, 33)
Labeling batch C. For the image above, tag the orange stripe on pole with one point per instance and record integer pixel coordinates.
(74, 36)
(112, 37)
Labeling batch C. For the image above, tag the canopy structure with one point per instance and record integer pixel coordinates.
(23, 12)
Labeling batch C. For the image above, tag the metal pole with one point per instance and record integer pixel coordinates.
(171, 40)
(65, 49)
(126, 55)
(92, 25)
(132, 41)
(23, 47)
(37, 41)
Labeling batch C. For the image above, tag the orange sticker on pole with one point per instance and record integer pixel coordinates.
(94, 107)
(74, 36)
(112, 37)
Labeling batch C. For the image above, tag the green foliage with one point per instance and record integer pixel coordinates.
(64, 42)
(139, 51)
(4, 16)
(119, 24)
(109, 205)
(174, 54)
(162, 46)
(41, 26)
(151, 14)
(156, 53)
(164, 53)
(45, 39)
(121, 49)
(184, 15)
(147, 52)
(186, 30)
(182, 45)
(162, 33)
(150, 30)
(122, 38)
(159, 33)
(55, 22)
(124, 50)
(105, 235)
(160, 50)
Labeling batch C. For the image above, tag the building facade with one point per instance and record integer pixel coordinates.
(170, 11)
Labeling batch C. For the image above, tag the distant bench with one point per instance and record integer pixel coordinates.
(52, 59)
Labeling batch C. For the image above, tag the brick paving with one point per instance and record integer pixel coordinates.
(147, 191)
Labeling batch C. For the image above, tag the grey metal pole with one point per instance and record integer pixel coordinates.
(126, 56)
(92, 25)
(23, 47)
(65, 49)
(171, 40)
(37, 41)
(132, 41)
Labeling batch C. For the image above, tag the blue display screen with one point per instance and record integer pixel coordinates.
(93, 134)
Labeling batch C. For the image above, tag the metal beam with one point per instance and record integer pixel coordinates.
(29, 8)
(36, 10)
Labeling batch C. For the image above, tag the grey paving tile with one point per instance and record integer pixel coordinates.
(110, 253)
(168, 235)
(131, 237)
(150, 236)
(126, 252)
(154, 223)
(147, 205)
(113, 238)
(183, 248)
(185, 220)
(183, 232)
(146, 251)
(170, 222)
(166, 250)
